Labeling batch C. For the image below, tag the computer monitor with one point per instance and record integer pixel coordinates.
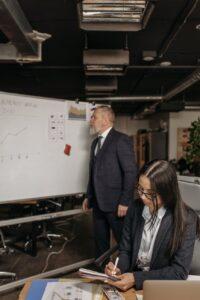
(171, 290)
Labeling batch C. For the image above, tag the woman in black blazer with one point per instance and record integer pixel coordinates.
(159, 231)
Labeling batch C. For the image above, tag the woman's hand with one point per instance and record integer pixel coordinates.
(111, 270)
(125, 282)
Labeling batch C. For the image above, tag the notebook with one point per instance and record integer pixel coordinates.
(86, 273)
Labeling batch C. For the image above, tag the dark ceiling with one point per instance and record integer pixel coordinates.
(171, 32)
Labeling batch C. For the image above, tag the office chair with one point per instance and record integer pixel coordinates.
(190, 190)
(4, 249)
(195, 265)
(102, 260)
(41, 230)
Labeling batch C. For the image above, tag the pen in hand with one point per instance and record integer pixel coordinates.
(115, 266)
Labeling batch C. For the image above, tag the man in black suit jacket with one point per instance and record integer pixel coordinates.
(112, 173)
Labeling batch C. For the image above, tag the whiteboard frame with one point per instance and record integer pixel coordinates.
(13, 201)
(20, 201)
(42, 217)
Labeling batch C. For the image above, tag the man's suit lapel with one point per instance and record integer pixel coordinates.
(94, 146)
(161, 235)
(92, 155)
(107, 141)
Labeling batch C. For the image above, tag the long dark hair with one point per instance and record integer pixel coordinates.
(164, 183)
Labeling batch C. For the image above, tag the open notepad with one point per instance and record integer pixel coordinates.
(86, 273)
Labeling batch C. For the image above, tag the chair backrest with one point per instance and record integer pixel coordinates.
(190, 191)
(195, 265)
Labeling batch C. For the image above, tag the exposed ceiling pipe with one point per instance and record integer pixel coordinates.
(132, 67)
(192, 103)
(149, 11)
(183, 85)
(126, 98)
(177, 26)
(187, 82)
(191, 108)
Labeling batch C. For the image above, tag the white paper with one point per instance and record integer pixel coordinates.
(93, 273)
(193, 277)
(68, 291)
(139, 297)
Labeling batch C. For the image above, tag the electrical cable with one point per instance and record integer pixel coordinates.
(66, 241)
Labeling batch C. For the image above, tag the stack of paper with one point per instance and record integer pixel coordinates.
(95, 275)
(139, 297)
(193, 277)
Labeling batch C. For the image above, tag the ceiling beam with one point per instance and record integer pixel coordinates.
(17, 29)
(130, 67)
(8, 53)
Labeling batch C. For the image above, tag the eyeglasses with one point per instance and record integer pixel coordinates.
(149, 194)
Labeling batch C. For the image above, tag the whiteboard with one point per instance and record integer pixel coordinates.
(33, 135)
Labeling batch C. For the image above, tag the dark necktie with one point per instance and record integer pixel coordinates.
(98, 144)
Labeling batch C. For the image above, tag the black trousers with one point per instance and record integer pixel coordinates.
(103, 222)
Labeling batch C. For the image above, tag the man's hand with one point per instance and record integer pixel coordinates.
(125, 282)
(85, 205)
(122, 210)
(111, 270)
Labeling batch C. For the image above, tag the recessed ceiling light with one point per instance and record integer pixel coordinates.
(148, 58)
(198, 27)
(148, 55)
(165, 63)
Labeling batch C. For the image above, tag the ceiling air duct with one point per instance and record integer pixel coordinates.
(114, 15)
(101, 86)
(105, 62)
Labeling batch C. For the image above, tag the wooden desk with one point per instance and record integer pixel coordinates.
(129, 295)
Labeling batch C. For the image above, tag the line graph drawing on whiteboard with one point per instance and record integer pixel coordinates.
(13, 134)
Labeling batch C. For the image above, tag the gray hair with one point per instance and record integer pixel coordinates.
(108, 111)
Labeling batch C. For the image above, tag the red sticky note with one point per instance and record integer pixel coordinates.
(67, 149)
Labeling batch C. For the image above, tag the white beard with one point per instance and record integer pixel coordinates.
(93, 131)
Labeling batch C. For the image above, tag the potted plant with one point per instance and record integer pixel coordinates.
(193, 150)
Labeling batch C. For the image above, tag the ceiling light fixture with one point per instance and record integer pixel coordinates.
(148, 58)
(198, 27)
(165, 63)
(105, 62)
(114, 15)
(149, 55)
(106, 85)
